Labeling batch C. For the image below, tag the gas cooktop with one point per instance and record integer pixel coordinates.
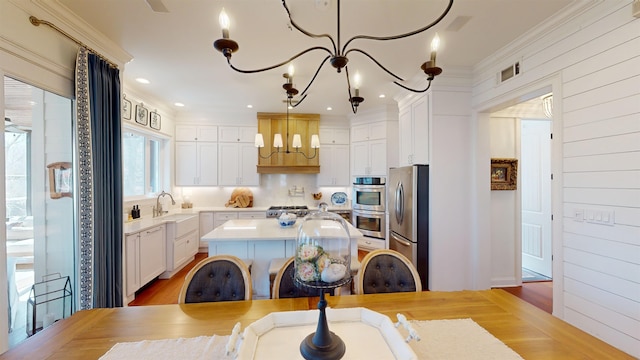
(276, 211)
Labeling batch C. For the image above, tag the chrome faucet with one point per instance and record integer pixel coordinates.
(157, 210)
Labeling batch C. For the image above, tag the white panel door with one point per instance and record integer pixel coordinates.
(535, 169)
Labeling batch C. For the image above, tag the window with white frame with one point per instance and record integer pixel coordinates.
(142, 163)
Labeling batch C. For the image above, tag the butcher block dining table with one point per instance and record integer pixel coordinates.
(529, 331)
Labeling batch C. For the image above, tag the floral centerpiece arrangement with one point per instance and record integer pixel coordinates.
(314, 264)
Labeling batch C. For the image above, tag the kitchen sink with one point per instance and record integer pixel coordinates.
(179, 224)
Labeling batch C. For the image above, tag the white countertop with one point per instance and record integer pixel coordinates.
(260, 229)
(137, 225)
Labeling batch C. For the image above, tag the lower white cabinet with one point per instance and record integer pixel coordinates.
(369, 244)
(182, 244)
(145, 257)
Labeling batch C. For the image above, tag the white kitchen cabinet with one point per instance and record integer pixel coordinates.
(237, 156)
(152, 254)
(182, 244)
(145, 257)
(334, 166)
(245, 134)
(252, 215)
(370, 131)
(333, 136)
(132, 254)
(369, 149)
(237, 164)
(414, 132)
(196, 133)
(369, 244)
(196, 163)
(369, 158)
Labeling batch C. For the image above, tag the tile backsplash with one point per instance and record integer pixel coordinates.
(274, 189)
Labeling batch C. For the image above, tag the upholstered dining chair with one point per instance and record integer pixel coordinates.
(386, 271)
(284, 285)
(217, 278)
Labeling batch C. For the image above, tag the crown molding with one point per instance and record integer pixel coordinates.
(58, 14)
(512, 50)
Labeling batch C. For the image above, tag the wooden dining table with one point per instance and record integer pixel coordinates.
(531, 332)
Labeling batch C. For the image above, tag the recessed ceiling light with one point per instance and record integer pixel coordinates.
(143, 81)
(329, 108)
(250, 106)
(179, 104)
(382, 96)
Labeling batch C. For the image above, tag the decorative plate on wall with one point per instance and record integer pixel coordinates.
(338, 198)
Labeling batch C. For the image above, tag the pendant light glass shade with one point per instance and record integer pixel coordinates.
(315, 141)
(297, 143)
(259, 141)
(277, 141)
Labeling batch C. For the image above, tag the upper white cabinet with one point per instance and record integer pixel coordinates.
(196, 133)
(237, 156)
(334, 165)
(196, 163)
(196, 152)
(414, 132)
(237, 133)
(369, 149)
(334, 136)
(334, 157)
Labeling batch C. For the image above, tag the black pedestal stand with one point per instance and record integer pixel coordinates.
(323, 344)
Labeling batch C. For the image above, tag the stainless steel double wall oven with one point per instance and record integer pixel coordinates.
(369, 206)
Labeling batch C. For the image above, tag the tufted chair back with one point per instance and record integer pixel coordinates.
(387, 271)
(217, 278)
(284, 284)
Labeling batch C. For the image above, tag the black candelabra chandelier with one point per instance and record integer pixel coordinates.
(337, 56)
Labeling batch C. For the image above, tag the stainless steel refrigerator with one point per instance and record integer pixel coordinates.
(408, 200)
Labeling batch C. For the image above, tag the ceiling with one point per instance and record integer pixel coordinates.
(174, 51)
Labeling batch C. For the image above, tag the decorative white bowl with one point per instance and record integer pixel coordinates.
(286, 222)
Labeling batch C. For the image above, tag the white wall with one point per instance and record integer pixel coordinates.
(451, 264)
(505, 207)
(595, 57)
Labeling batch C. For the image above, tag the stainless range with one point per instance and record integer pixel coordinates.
(276, 211)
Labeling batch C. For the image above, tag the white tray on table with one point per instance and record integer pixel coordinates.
(367, 335)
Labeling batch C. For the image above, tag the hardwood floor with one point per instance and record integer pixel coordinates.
(539, 293)
(161, 291)
(165, 291)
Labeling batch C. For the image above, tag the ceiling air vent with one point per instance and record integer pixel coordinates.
(509, 72)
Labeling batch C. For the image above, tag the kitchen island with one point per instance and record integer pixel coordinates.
(262, 240)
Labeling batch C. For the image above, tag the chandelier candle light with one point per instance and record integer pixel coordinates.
(337, 56)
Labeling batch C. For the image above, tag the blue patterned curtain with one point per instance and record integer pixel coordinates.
(100, 181)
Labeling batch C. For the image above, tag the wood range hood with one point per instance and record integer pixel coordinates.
(290, 162)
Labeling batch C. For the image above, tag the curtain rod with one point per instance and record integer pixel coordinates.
(36, 22)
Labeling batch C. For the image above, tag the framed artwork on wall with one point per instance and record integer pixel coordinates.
(504, 174)
(60, 180)
(142, 115)
(126, 108)
(154, 120)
